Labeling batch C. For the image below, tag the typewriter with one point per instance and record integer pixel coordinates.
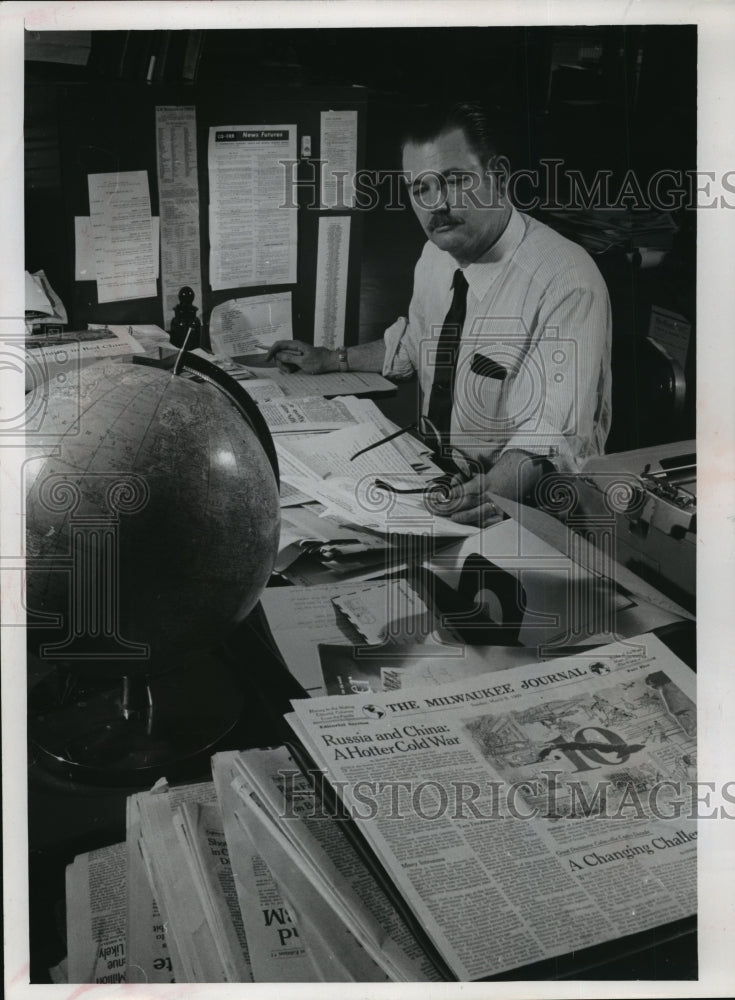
(652, 494)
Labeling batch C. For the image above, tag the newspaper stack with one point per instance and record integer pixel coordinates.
(436, 831)
(182, 845)
(321, 873)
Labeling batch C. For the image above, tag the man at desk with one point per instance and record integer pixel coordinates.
(508, 330)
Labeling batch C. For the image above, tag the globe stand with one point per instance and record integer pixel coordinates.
(135, 728)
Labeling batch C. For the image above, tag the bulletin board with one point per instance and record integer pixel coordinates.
(115, 131)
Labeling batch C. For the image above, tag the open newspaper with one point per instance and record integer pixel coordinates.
(528, 813)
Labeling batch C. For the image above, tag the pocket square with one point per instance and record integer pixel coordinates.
(482, 365)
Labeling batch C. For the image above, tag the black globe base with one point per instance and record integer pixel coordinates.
(132, 730)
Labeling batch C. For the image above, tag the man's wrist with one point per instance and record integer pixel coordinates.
(330, 363)
(342, 362)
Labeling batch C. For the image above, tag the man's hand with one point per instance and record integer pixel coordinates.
(294, 355)
(466, 501)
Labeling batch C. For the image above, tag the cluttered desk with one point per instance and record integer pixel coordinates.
(396, 656)
(296, 716)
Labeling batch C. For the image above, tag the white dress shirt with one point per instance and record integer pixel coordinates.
(533, 370)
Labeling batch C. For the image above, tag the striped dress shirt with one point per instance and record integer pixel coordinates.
(533, 369)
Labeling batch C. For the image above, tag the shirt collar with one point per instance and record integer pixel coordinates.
(480, 276)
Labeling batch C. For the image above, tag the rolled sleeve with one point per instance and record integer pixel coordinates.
(571, 358)
(397, 363)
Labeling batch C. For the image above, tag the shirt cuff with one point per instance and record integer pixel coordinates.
(397, 363)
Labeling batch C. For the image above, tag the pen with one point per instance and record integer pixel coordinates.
(385, 440)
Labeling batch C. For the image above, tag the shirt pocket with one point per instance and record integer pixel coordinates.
(480, 389)
(498, 390)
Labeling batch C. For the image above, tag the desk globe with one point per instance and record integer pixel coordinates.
(152, 526)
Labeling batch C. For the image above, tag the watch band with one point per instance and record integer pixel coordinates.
(342, 364)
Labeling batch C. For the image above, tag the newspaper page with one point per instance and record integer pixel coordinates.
(200, 829)
(252, 231)
(277, 950)
(312, 414)
(526, 814)
(338, 955)
(332, 863)
(148, 956)
(95, 916)
(193, 958)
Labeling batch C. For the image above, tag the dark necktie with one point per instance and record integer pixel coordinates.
(447, 349)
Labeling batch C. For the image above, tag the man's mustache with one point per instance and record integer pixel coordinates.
(441, 220)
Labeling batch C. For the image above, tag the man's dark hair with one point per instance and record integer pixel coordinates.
(429, 121)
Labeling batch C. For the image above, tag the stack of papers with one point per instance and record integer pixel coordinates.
(181, 841)
(44, 308)
(262, 874)
(315, 414)
(53, 355)
(496, 879)
(275, 938)
(332, 471)
(345, 912)
(329, 384)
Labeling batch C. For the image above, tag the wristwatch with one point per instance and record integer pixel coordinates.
(342, 364)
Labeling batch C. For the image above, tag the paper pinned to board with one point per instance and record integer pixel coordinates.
(122, 235)
(339, 153)
(332, 262)
(178, 195)
(252, 227)
(248, 325)
(85, 262)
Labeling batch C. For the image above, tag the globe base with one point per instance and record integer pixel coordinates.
(134, 729)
